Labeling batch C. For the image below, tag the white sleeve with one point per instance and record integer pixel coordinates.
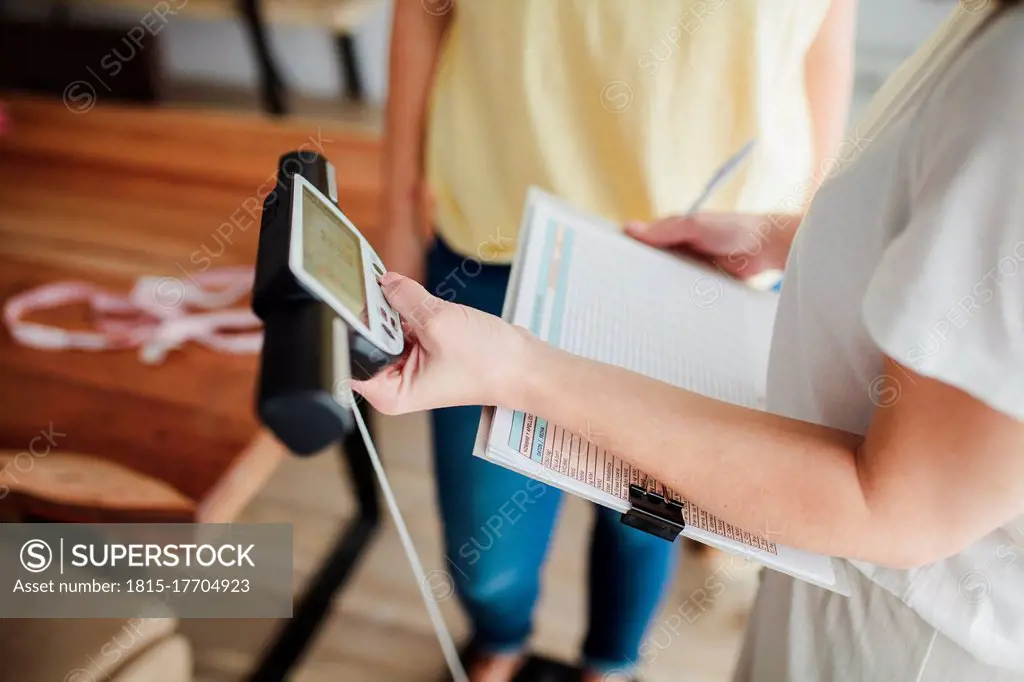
(947, 297)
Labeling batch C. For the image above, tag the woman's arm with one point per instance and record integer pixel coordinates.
(416, 39)
(937, 469)
(829, 81)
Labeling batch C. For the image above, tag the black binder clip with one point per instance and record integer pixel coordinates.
(654, 513)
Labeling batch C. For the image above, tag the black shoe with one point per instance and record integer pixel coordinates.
(534, 668)
(472, 652)
(467, 655)
(579, 676)
(537, 669)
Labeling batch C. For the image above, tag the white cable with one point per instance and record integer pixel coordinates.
(444, 638)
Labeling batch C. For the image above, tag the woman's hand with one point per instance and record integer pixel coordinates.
(743, 245)
(454, 355)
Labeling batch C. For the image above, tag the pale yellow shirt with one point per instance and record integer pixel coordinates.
(622, 107)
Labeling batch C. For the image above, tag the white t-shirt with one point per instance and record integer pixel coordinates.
(915, 249)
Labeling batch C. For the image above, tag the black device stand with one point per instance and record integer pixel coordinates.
(300, 370)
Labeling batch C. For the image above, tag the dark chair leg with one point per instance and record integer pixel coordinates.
(349, 67)
(271, 85)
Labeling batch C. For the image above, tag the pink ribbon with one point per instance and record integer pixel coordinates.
(158, 315)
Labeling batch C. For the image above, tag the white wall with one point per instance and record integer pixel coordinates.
(888, 31)
(220, 52)
(897, 26)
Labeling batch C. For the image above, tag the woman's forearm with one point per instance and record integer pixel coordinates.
(794, 482)
(416, 38)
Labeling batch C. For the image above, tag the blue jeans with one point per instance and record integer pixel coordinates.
(497, 523)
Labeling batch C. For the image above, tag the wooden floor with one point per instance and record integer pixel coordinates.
(379, 630)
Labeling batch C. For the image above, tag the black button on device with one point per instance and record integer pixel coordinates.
(389, 332)
(380, 269)
(394, 324)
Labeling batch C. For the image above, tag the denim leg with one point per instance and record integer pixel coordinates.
(629, 574)
(497, 523)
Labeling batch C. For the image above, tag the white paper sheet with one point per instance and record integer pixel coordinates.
(582, 286)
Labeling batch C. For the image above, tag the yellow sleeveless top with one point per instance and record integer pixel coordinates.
(623, 108)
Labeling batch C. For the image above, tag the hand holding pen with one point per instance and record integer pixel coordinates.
(750, 247)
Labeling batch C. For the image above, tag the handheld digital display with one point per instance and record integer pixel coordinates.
(332, 254)
(333, 262)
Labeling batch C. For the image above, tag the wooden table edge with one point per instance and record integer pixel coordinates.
(243, 480)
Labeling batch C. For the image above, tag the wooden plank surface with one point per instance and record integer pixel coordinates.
(119, 192)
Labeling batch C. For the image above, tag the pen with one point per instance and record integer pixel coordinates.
(721, 175)
(771, 280)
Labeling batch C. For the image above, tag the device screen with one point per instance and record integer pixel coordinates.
(331, 254)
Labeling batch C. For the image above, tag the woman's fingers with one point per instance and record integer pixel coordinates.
(414, 383)
(381, 391)
(410, 300)
(388, 390)
(665, 232)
